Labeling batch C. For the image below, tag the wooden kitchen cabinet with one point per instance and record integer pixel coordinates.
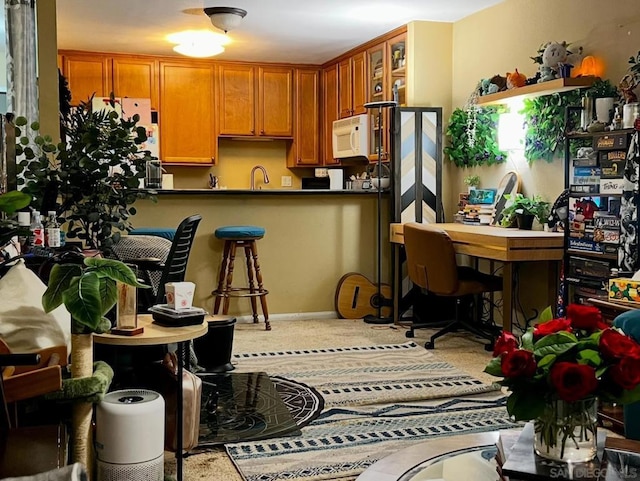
(136, 77)
(330, 111)
(187, 121)
(305, 148)
(255, 101)
(352, 91)
(88, 74)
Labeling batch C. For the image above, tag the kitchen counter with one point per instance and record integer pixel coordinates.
(265, 192)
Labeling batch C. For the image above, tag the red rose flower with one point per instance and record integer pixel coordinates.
(573, 381)
(518, 363)
(614, 345)
(588, 318)
(552, 326)
(507, 342)
(626, 373)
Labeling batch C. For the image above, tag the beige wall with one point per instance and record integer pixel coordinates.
(311, 241)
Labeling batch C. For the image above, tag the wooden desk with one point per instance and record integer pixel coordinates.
(498, 244)
(154, 334)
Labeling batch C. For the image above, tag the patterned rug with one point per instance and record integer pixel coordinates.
(378, 399)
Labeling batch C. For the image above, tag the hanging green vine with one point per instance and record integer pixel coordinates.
(473, 137)
(544, 122)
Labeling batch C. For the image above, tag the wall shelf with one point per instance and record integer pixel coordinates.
(536, 90)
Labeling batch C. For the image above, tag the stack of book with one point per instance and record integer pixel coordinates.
(478, 214)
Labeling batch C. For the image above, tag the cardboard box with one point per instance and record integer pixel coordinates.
(624, 290)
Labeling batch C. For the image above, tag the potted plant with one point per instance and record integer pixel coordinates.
(472, 181)
(10, 202)
(523, 210)
(92, 177)
(605, 95)
(88, 291)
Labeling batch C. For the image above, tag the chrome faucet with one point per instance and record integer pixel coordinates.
(253, 176)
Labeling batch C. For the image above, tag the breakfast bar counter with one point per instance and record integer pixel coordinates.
(163, 192)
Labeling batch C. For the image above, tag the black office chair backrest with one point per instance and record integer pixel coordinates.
(176, 263)
(431, 259)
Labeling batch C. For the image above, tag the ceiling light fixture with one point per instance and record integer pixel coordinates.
(198, 50)
(225, 18)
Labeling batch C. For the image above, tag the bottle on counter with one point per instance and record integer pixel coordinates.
(53, 230)
(36, 238)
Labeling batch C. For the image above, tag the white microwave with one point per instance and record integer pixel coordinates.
(350, 137)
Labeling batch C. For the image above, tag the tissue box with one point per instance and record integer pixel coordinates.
(624, 290)
(179, 294)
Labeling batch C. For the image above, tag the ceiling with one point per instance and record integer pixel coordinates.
(296, 31)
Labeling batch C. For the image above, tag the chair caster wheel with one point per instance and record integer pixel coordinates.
(428, 345)
(410, 334)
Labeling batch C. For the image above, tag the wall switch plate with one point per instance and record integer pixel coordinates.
(321, 172)
(285, 181)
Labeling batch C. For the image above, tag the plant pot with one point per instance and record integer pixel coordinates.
(525, 221)
(566, 431)
(604, 109)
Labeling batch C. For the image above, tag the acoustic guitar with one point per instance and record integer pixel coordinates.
(357, 296)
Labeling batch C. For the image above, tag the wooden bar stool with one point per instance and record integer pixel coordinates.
(244, 236)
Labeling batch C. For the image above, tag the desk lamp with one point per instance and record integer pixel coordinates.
(378, 300)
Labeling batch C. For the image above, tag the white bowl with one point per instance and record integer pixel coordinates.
(384, 182)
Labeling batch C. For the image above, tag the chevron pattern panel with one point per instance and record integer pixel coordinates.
(417, 172)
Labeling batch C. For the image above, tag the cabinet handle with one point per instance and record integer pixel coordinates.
(262, 132)
(299, 160)
(253, 131)
(213, 159)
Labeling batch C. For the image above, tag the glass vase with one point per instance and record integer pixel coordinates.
(567, 431)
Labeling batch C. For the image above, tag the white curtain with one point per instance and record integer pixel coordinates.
(22, 71)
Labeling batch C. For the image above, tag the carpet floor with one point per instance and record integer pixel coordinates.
(459, 350)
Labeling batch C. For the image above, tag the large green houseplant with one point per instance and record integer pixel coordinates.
(92, 177)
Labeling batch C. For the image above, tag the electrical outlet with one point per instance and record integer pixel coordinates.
(285, 181)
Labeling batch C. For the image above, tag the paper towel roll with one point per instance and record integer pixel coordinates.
(336, 179)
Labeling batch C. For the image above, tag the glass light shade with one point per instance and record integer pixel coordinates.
(198, 50)
(225, 18)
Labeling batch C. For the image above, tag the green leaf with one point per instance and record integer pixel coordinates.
(14, 200)
(589, 356)
(113, 269)
(108, 294)
(525, 404)
(494, 367)
(557, 343)
(59, 280)
(82, 300)
(547, 360)
(546, 315)
(527, 340)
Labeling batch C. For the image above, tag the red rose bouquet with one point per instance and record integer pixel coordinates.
(568, 360)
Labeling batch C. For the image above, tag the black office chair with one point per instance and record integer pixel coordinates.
(158, 269)
(432, 266)
(171, 267)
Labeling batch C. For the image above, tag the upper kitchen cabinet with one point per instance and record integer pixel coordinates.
(136, 77)
(396, 49)
(255, 101)
(305, 148)
(88, 74)
(378, 87)
(187, 122)
(352, 91)
(330, 111)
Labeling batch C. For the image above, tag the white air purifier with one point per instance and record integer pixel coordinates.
(130, 436)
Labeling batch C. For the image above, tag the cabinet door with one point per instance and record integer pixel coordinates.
(237, 101)
(187, 130)
(87, 74)
(329, 111)
(136, 78)
(396, 55)
(344, 88)
(306, 144)
(359, 83)
(275, 102)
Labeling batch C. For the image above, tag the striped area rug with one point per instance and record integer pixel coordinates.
(377, 399)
